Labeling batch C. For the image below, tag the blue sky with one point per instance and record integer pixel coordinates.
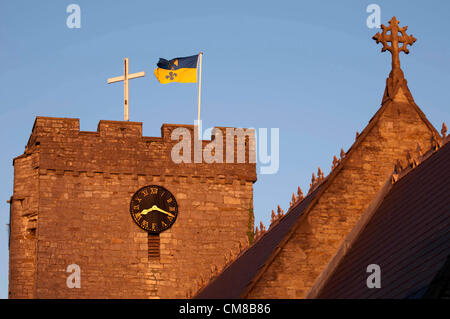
(309, 68)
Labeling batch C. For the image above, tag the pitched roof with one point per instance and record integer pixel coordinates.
(408, 236)
(234, 280)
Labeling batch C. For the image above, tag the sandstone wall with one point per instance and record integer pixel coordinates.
(24, 209)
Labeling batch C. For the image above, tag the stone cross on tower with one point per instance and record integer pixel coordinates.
(397, 35)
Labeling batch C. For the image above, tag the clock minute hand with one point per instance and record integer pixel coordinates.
(162, 211)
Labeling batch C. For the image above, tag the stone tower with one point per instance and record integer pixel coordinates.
(71, 200)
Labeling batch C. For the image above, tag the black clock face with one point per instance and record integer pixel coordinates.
(154, 209)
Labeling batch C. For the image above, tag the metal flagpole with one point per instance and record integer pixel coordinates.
(126, 104)
(199, 63)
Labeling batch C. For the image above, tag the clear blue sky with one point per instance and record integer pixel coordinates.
(309, 68)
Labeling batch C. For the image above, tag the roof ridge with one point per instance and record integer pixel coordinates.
(412, 163)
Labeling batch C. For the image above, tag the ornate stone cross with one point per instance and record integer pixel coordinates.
(395, 39)
(396, 79)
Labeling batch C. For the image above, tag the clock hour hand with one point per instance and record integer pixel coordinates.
(146, 211)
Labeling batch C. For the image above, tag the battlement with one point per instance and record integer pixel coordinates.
(53, 126)
(119, 146)
(121, 128)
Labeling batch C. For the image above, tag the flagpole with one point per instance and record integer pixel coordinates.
(126, 103)
(199, 62)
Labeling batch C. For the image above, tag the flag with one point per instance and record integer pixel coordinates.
(183, 70)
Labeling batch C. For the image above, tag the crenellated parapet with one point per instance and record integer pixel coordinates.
(119, 147)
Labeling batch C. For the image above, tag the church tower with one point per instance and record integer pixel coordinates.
(79, 203)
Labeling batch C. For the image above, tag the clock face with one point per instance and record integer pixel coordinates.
(154, 208)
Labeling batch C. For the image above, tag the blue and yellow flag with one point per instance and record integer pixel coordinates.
(183, 70)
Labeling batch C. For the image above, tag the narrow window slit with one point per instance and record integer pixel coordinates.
(153, 246)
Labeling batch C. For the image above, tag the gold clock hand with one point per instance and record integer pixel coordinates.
(154, 207)
(162, 211)
(146, 211)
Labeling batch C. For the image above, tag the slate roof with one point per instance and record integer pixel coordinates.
(408, 236)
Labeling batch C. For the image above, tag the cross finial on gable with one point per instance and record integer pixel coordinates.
(395, 39)
(395, 42)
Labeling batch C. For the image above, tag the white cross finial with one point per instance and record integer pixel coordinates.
(125, 77)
